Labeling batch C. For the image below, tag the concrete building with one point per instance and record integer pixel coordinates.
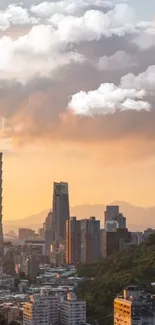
(90, 240)
(115, 241)
(73, 241)
(25, 233)
(49, 235)
(32, 266)
(72, 311)
(9, 259)
(137, 238)
(60, 210)
(42, 309)
(34, 246)
(1, 206)
(134, 308)
(13, 313)
(112, 214)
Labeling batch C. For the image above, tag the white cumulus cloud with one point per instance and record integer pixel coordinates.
(108, 98)
(35, 54)
(15, 15)
(69, 7)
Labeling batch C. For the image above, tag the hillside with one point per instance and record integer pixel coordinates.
(135, 265)
(138, 218)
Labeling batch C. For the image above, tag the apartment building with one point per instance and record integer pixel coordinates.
(72, 311)
(134, 307)
(42, 309)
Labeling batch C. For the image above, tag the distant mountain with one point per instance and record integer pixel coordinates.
(138, 218)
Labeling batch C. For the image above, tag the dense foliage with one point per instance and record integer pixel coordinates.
(107, 278)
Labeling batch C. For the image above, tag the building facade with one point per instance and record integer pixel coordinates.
(25, 233)
(48, 229)
(42, 309)
(73, 241)
(134, 308)
(115, 241)
(90, 240)
(60, 210)
(72, 311)
(114, 217)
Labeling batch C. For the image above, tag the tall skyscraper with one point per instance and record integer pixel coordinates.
(60, 209)
(90, 240)
(113, 218)
(48, 229)
(73, 241)
(1, 225)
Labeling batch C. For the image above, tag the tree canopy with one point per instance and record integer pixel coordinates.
(107, 278)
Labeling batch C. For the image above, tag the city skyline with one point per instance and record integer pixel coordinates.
(36, 199)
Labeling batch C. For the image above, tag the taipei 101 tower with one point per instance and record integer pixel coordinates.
(1, 225)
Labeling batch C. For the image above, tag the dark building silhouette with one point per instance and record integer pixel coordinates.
(32, 266)
(49, 235)
(113, 218)
(115, 241)
(90, 240)
(1, 225)
(73, 241)
(9, 259)
(60, 210)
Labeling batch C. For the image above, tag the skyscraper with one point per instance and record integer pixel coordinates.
(48, 229)
(113, 218)
(90, 240)
(60, 210)
(73, 241)
(1, 225)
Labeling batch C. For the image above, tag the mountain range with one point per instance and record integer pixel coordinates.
(138, 218)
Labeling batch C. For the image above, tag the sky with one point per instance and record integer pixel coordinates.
(77, 102)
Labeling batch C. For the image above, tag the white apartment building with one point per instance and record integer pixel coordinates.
(72, 311)
(42, 309)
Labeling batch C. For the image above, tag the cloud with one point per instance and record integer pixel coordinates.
(52, 42)
(116, 62)
(70, 7)
(145, 80)
(37, 53)
(56, 52)
(108, 98)
(15, 15)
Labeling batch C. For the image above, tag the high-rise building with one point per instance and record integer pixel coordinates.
(114, 218)
(90, 240)
(115, 241)
(73, 241)
(32, 266)
(60, 210)
(49, 232)
(72, 311)
(42, 309)
(1, 225)
(134, 307)
(25, 233)
(137, 238)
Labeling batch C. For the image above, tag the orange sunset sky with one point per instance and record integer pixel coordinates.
(29, 173)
